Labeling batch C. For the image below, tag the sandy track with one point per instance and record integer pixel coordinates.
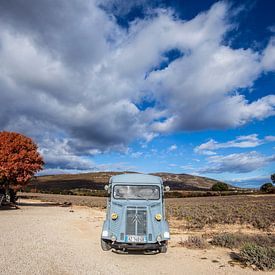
(44, 239)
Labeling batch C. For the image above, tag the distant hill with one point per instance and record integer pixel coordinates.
(97, 180)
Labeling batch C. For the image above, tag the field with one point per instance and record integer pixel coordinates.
(196, 213)
(208, 234)
(44, 238)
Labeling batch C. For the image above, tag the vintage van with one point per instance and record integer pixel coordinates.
(135, 217)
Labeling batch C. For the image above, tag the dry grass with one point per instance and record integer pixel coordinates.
(196, 213)
(195, 242)
(261, 257)
(237, 240)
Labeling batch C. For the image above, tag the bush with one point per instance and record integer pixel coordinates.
(219, 186)
(267, 187)
(225, 240)
(262, 257)
(236, 240)
(195, 242)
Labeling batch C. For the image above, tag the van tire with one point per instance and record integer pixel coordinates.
(105, 245)
(163, 249)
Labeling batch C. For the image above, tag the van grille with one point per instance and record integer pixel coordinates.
(136, 221)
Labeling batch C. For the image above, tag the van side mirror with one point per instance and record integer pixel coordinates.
(107, 188)
(167, 188)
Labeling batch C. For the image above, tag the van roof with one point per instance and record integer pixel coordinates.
(135, 178)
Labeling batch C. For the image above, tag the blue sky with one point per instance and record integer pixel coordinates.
(148, 86)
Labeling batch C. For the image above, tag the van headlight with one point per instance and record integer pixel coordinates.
(166, 235)
(114, 216)
(158, 217)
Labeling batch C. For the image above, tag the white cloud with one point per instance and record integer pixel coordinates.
(248, 141)
(172, 148)
(58, 154)
(268, 60)
(237, 163)
(74, 72)
(137, 154)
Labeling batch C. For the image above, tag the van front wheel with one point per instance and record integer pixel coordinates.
(163, 249)
(105, 245)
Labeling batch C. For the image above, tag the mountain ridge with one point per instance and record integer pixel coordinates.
(97, 180)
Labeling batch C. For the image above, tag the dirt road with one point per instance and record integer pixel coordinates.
(44, 239)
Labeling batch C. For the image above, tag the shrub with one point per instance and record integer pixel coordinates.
(219, 186)
(262, 257)
(195, 242)
(225, 240)
(267, 187)
(236, 240)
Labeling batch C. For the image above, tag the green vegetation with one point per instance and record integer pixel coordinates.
(189, 194)
(260, 256)
(257, 251)
(219, 186)
(237, 240)
(267, 187)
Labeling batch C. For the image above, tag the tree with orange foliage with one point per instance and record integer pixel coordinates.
(19, 160)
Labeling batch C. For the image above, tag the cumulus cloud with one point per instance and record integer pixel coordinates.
(269, 55)
(248, 141)
(237, 163)
(59, 155)
(70, 72)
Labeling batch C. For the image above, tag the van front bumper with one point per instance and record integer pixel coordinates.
(138, 246)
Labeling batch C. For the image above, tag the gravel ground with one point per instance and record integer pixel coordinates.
(40, 238)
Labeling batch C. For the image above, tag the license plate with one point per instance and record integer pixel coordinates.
(135, 239)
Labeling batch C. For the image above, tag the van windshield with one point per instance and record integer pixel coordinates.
(136, 192)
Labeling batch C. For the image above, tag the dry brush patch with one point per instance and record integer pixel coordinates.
(198, 242)
(259, 257)
(237, 240)
(90, 201)
(196, 213)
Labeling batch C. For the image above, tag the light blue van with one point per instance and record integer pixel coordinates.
(135, 217)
